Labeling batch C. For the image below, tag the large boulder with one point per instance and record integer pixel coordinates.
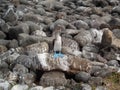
(53, 78)
(68, 63)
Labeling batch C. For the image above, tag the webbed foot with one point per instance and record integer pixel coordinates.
(56, 55)
(61, 55)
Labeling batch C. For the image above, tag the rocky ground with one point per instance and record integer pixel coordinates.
(90, 37)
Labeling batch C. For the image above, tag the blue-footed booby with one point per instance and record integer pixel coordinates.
(57, 42)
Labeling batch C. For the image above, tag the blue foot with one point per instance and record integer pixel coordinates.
(61, 55)
(56, 55)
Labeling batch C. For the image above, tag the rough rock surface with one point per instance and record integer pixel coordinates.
(53, 79)
(90, 31)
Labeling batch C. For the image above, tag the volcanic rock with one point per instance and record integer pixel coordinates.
(53, 79)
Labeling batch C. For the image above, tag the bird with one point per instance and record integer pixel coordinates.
(57, 42)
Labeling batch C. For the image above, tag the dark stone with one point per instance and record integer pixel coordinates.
(33, 26)
(113, 63)
(27, 78)
(114, 23)
(13, 44)
(113, 2)
(85, 87)
(116, 9)
(101, 88)
(100, 3)
(3, 48)
(80, 24)
(97, 81)
(4, 42)
(95, 69)
(116, 32)
(16, 30)
(40, 11)
(20, 69)
(5, 28)
(36, 18)
(53, 78)
(3, 65)
(82, 76)
(58, 22)
(10, 15)
(2, 35)
(103, 72)
(24, 60)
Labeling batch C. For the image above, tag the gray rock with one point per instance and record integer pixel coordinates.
(101, 88)
(116, 9)
(95, 81)
(2, 35)
(114, 23)
(84, 10)
(94, 24)
(90, 51)
(114, 2)
(40, 11)
(3, 65)
(95, 69)
(39, 33)
(53, 4)
(72, 44)
(100, 3)
(4, 85)
(36, 18)
(6, 54)
(20, 69)
(84, 3)
(103, 72)
(58, 22)
(24, 60)
(25, 2)
(16, 30)
(97, 35)
(12, 58)
(48, 21)
(116, 32)
(83, 38)
(1, 75)
(4, 42)
(20, 87)
(58, 6)
(5, 27)
(85, 87)
(53, 79)
(25, 39)
(113, 63)
(27, 78)
(37, 88)
(69, 63)
(91, 48)
(82, 76)
(61, 15)
(80, 24)
(20, 14)
(68, 50)
(3, 49)
(37, 48)
(72, 5)
(33, 26)
(12, 77)
(13, 44)
(49, 88)
(2, 22)
(10, 15)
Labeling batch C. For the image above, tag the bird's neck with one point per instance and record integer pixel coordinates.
(58, 36)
